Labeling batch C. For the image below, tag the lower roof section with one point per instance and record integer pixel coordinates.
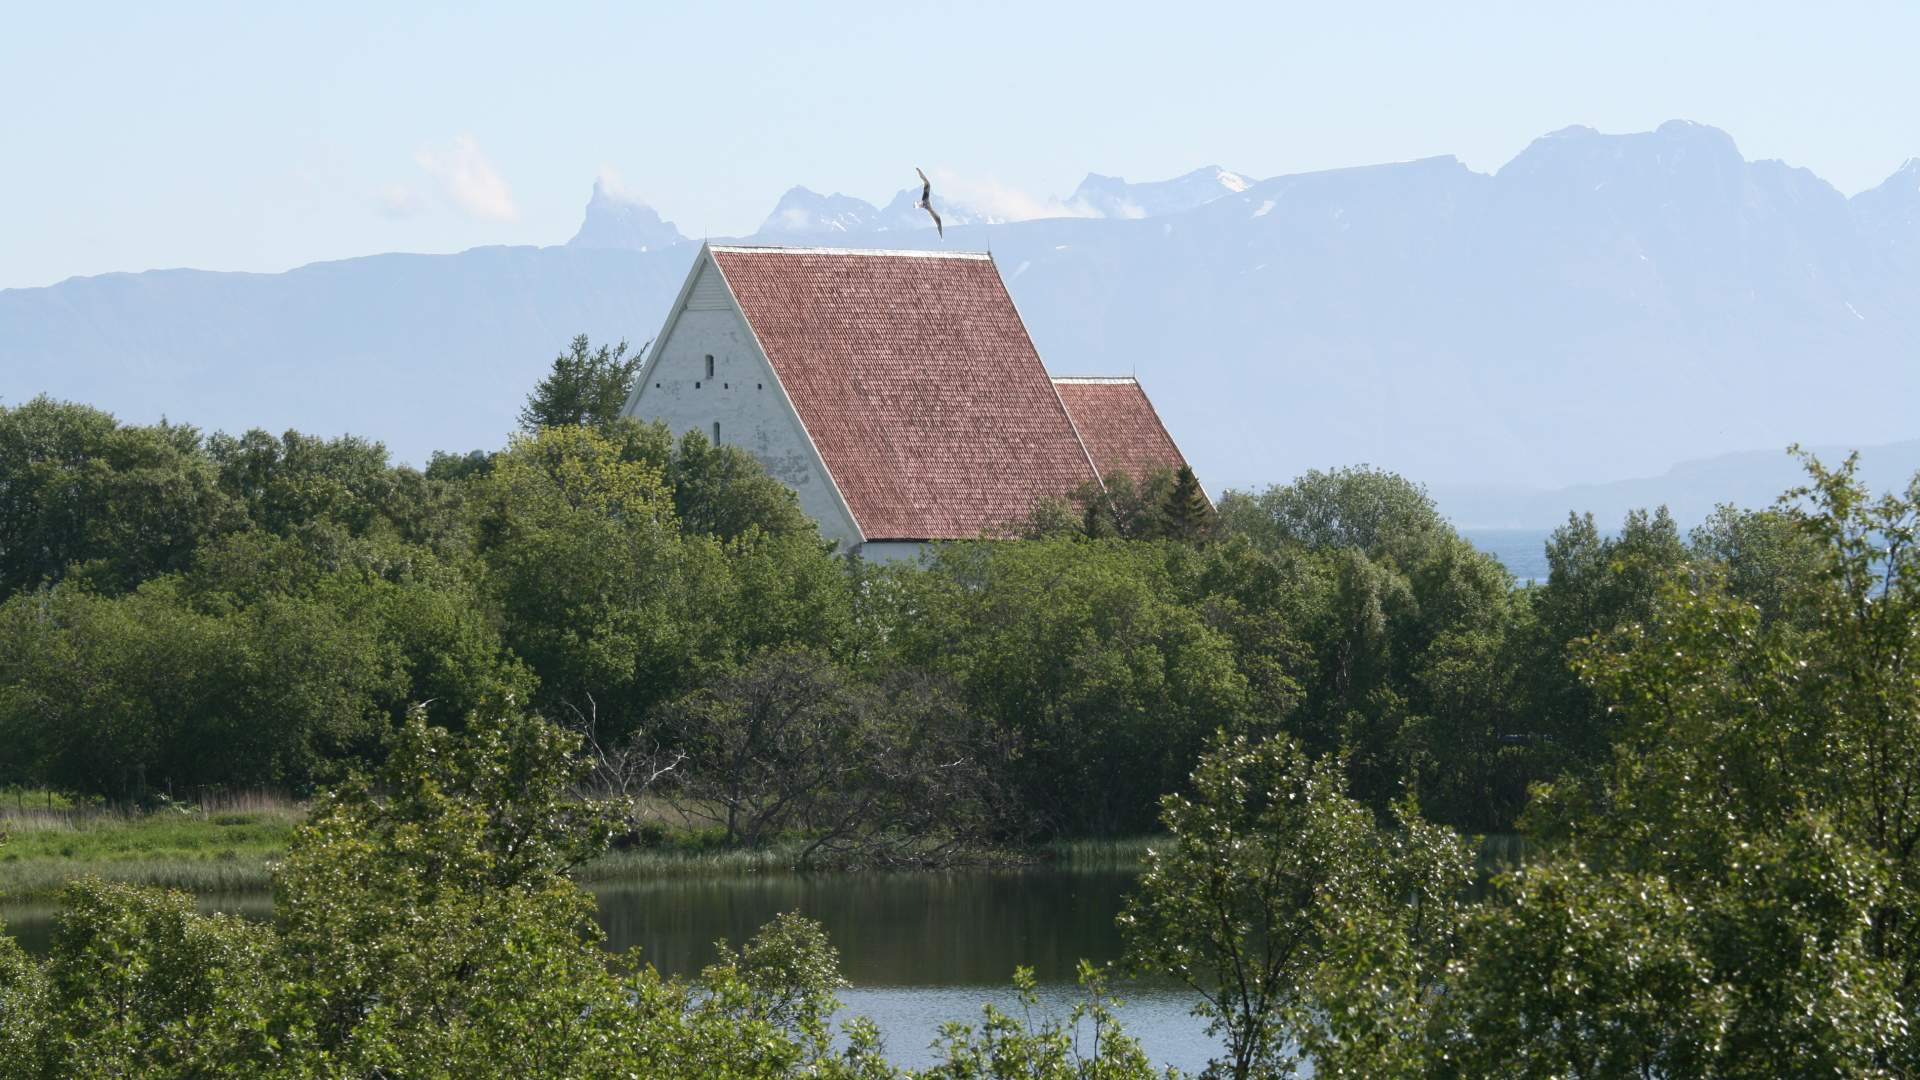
(1119, 426)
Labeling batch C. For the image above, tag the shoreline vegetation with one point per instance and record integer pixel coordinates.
(230, 846)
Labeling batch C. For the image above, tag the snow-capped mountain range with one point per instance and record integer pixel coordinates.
(1112, 197)
(1599, 308)
(802, 212)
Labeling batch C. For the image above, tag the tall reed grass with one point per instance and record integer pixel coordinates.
(223, 844)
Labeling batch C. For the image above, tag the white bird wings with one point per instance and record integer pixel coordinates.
(926, 202)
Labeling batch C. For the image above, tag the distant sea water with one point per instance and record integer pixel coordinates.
(1522, 551)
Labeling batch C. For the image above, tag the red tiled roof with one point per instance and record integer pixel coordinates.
(917, 382)
(1117, 423)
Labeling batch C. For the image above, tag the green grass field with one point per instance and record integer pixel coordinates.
(230, 847)
(232, 850)
(211, 849)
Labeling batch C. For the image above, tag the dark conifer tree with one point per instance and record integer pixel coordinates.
(1188, 515)
(587, 386)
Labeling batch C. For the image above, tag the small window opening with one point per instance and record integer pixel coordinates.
(716, 433)
(709, 365)
(759, 386)
(696, 386)
(726, 386)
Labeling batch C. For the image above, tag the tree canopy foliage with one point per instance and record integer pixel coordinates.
(586, 387)
(1711, 743)
(260, 609)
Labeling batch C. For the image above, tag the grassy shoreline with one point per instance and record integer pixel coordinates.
(225, 847)
(232, 849)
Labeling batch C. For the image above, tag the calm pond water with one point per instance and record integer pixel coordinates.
(919, 949)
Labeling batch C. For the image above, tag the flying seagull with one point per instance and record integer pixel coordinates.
(926, 202)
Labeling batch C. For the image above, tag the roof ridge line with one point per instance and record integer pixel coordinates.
(1098, 380)
(781, 249)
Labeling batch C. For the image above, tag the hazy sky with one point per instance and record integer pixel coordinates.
(259, 137)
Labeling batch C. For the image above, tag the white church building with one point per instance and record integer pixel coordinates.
(896, 392)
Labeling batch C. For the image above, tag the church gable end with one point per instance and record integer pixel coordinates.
(706, 373)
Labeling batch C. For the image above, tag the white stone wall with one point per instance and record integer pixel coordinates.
(890, 551)
(742, 396)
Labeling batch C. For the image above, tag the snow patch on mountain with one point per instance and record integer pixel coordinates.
(1113, 197)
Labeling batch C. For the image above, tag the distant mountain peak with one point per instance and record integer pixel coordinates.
(615, 219)
(1890, 212)
(904, 212)
(1114, 197)
(1232, 181)
(1584, 153)
(1693, 129)
(802, 211)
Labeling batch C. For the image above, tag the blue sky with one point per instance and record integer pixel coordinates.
(260, 137)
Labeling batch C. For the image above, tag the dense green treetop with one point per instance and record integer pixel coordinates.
(1366, 509)
(80, 492)
(587, 387)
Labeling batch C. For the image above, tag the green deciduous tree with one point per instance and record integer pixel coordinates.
(1595, 583)
(1412, 634)
(1768, 559)
(721, 491)
(122, 502)
(1006, 1045)
(141, 984)
(292, 480)
(1302, 925)
(426, 919)
(24, 1012)
(1369, 510)
(585, 565)
(1088, 654)
(1578, 970)
(1751, 839)
(895, 773)
(267, 661)
(613, 605)
(124, 695)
